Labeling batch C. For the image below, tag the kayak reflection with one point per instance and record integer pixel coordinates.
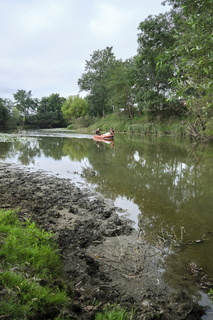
(101, 142)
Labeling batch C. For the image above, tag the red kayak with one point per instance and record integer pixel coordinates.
(106, 136)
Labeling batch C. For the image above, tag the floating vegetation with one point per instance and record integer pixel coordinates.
(15, 137)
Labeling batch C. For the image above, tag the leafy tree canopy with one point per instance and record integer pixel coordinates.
(4, 113)
(95, 78)
(74, 107)
(153, 84)
(25, 103)
(193, 56)
(120, 86)
(49, 112)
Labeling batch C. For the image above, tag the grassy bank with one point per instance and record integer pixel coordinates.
(31, 279)
(135, 125)
(30, 268)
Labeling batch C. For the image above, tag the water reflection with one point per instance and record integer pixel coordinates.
(100, 144)
(162, 182)
(161, 177)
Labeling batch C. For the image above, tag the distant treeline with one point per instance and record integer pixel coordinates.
(169, 77)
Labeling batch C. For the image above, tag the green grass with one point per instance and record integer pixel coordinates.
(26, 244)
(115, 313)
(24, 297)
(139, 125)
(29, 265)
(211, 293)
(29, 270)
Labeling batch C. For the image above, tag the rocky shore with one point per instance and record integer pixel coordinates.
(104, 259)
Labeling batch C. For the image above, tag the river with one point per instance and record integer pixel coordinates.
(163, 184)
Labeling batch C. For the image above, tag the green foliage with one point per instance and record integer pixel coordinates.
(153, 84)
(114, 313)
(49, 112)
(192, 57)
(25, 104)
(28, 256)
(5, 112)
(83, 122)
(15, 117)
(39, 251)
(211, 292)
(95, 79)
(141, 125)
(24, 297)
(170, 76)
(120, 85)
(74, 107)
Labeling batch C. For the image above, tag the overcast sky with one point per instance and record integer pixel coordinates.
(45, 43)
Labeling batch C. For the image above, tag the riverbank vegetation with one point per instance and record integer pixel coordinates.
(166, 87)
(32, 285)
(30, 271)
(137, 125)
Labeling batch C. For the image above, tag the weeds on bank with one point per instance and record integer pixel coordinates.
(115, 313)
(211, 293)
(29, 263)
(30, 287)
(137, 125)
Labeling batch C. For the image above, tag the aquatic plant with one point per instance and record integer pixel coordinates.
(14, 137)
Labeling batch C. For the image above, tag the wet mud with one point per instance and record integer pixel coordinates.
(104, 260)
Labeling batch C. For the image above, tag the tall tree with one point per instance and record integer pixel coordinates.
(49, 112)
(120, 86)
(153, 84)
(193, 66)
(74, 107)
(94, 81)
(25, 103)
(9, 115)
(4, 113)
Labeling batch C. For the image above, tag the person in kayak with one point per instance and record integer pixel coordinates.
(98, 132)
(112, 131)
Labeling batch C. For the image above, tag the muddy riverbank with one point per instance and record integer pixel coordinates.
(104, 259)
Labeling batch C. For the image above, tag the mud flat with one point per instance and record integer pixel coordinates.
(103, 258)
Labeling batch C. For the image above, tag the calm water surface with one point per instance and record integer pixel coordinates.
(164, 184)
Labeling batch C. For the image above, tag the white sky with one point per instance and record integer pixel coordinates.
(45, 43)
